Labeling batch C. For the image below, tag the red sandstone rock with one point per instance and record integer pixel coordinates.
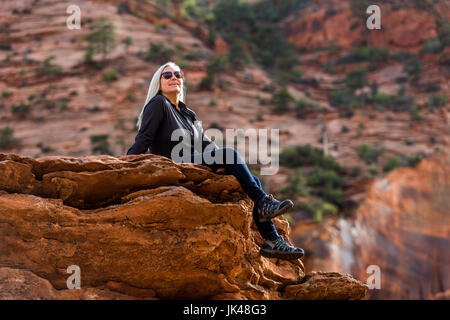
(141, 226)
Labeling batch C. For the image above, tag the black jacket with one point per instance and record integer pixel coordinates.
(159, 120)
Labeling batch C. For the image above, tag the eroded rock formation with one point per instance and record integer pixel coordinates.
(140, 227)
(402, 226)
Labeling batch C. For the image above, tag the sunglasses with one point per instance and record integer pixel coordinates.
(168, 74)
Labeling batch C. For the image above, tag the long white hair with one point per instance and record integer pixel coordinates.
(154, 88)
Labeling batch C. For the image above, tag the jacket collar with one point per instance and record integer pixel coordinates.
(181, 104)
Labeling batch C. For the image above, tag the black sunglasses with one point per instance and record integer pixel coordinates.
(168, 74)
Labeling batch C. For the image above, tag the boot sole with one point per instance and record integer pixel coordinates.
(288, 206)
(285, 256)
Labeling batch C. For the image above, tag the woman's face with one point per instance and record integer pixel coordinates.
(173, 84)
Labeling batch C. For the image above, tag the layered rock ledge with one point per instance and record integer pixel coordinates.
(140, 227)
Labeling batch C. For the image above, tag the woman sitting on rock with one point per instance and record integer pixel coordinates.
(165, 111)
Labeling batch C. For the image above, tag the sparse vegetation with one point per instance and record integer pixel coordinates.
(101, 40)
(100, 144)
(6, 137)
(49, 69)
(216, 65)
(402, 161)
(159, 53)
(356, 79)
(323, 178)
(281, 100)
(127, 41)
(21, 108)
(432, 45)
(296, 185)
(369, 153)
(237, 55)
(415, 114)
(111, 75)
(373, 55)
(437, 101)
(318, 208)
(302, 106)
(307, 155)
(6, 93)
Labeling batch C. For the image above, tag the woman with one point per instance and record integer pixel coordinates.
(165, 111)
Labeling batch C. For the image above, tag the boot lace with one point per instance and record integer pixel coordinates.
(282, 245)
(269, 205)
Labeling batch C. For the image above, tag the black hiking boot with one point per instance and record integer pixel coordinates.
(280, 249)
(270, 207)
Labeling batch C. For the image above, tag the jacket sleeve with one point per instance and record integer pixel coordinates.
(151, 119)
(206, 141)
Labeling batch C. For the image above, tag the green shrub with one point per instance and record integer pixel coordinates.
(215, 125)
(412, 161)
(391, 164)
(159, 53)
(437, 101)
(415, 114)
(366, 54)
(127, 41)
(444, 33)
(342, 97)
(320, 177)
(296, 185)
(369, 153)
(402, 56)
(394, 162)
(217, 64)
(44, 149)
(356, 79)
(49, 69)
(281, 99)
(332, 195)
(383, 99)
(396, 103)
(403, 102)
(100, 144)
(195, 55)
(207, 82)
(432, 45)
(371, 172)
(6, 93)
(318, 208)
(237, 55)
(303, 106)
(62, 104)
(413, 67)
(355, 172)
(102, 39)
(307, 155)
(111, 75)
(6, 137)
(21, 108)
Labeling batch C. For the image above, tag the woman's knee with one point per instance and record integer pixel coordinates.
(258, 182)
(231, 155)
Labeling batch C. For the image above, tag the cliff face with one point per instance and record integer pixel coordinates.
(402, 226)
(140, 227)
(404, 25)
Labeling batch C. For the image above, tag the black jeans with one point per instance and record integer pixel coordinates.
(249, 182)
